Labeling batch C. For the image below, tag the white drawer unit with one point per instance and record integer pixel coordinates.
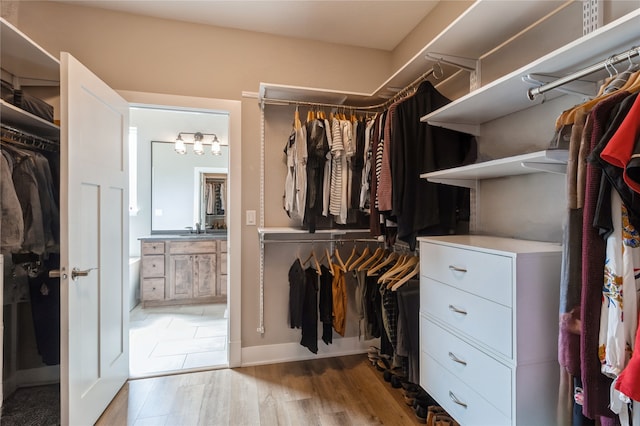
(489, 328)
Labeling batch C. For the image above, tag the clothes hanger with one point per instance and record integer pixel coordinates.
(351, 257)
(412, 273)
(362, 257)
(374, 257)
(340, 263)
(406, 269)
(296, 119)
(387, 260)
(398, 270)
(399, 261)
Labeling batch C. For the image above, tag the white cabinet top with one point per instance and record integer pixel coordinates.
(493, 244)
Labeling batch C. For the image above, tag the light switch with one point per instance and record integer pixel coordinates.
(251, 217)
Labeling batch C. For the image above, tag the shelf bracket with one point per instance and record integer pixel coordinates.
(466, 64)
(472, 129)
(557, 168)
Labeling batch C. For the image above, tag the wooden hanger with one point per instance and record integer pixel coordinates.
(399, 269)
(351, 257)
(365, 253)
(336, 253)
(406, 277)
(296, 119)
(374, 257)
(385, 261)
(316, 264)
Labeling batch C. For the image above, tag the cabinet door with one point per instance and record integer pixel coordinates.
(181, 276)
(204, 271)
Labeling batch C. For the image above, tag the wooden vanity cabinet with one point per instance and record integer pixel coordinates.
(182, 271)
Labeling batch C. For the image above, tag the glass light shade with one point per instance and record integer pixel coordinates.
(215, 146)
(198, 148)
(180, 147)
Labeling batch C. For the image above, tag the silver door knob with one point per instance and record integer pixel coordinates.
(77, 273)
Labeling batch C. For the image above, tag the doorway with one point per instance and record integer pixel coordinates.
(184, 337)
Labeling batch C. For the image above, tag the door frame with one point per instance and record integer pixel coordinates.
(234, 182)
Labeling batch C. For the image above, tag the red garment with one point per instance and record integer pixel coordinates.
(628, 381)
(620, 148)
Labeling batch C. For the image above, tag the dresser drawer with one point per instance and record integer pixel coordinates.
(444, 387)
(192, 247)
(483, 320)
(480, 372)
(153, 289)
(484, 274)
(153, 266)
(156, 247)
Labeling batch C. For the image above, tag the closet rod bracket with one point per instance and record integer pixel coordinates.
(467, 64)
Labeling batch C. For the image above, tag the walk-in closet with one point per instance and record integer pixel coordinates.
(431, 209)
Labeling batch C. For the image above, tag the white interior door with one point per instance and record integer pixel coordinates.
(94, 240)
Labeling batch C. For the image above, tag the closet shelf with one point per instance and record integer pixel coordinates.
(16, 117)
(508, 94)
(479, 18)
(24, 59)
(535, 162)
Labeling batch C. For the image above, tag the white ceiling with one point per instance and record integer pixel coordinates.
(380, 24)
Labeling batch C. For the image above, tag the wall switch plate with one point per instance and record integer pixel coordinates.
(251, 217)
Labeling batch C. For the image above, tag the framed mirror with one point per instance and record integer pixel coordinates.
(179, 197)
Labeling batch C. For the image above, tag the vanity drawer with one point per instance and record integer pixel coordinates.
(484, 274)
(153, 266)
(153, 289)
(446, 388)
(480, 319)
(156, 247)
(479, 371)
(192, 247)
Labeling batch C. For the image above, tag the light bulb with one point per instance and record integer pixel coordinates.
(179, 147)
(215, 146)
(197, 144)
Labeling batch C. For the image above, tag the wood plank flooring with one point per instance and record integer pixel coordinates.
(327, 391)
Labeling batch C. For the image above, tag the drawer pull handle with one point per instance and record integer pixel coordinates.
(457, 310)
(457, 269)
(456, 400)
(456, 359)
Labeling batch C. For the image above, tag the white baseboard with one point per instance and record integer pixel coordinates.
(288, 352)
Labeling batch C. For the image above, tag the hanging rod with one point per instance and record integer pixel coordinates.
(535, 91)
(327, 240)
(367, 108)
(21, 138)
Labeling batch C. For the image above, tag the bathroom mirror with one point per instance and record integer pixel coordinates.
(179, 192)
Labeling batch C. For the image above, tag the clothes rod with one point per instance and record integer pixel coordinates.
(533, 92)
(366, 108)
(327, 240)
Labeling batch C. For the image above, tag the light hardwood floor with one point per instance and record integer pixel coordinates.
(327, 391)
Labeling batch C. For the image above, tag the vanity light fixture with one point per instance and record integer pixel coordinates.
(198, 143)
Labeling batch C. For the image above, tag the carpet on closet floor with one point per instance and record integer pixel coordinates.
(32, 406)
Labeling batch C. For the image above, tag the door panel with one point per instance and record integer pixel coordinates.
(94, 239)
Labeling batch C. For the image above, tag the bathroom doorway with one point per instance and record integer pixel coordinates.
(171, 338)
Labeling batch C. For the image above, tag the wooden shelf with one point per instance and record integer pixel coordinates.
(509, 93)
(479, 18)
(467, 176)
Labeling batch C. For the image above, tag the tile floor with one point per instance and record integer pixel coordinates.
(174, 338)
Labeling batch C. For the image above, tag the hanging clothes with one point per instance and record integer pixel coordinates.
(317, 149)
(420, 206)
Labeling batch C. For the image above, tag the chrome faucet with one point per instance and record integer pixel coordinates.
(198, 231)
